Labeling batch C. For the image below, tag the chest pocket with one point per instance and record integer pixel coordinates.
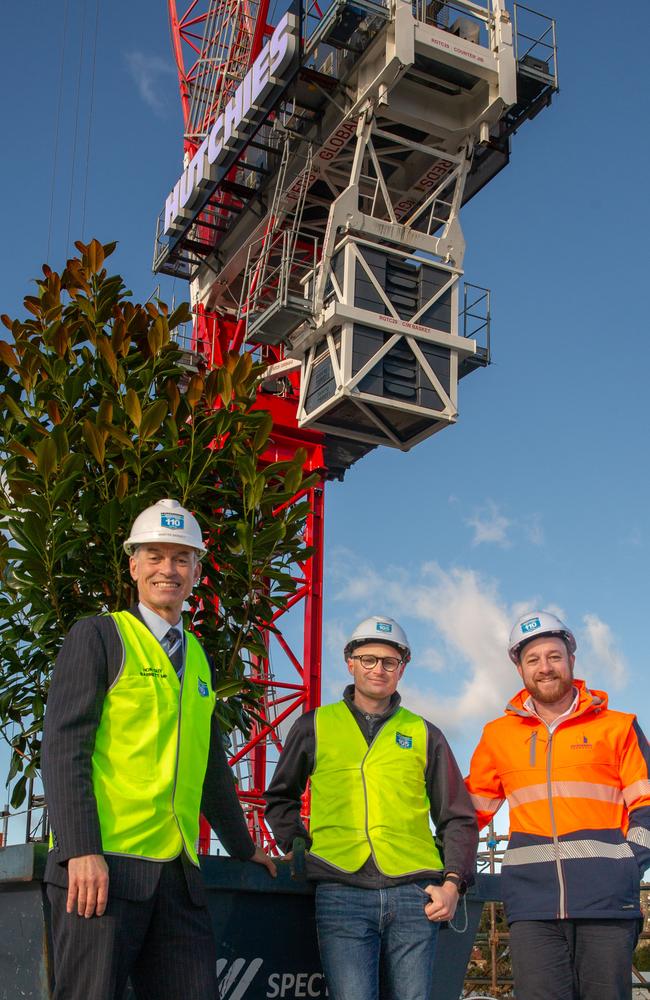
(139, 725)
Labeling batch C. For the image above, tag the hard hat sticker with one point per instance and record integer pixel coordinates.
(530, 625)
(384, 627)
(405, 742)
(172, 521)
(203, 689)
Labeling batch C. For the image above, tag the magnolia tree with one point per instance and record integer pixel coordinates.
(99, 420)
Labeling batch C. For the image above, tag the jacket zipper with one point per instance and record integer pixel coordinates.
(562, 911)
(556, 843)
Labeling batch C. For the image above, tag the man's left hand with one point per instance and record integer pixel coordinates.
(444, 900)
(262, 858)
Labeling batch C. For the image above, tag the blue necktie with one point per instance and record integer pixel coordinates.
(172, 643)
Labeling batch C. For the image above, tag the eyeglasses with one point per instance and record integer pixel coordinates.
(388, 663)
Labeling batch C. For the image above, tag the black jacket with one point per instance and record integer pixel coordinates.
(86, 666)
(450, 806)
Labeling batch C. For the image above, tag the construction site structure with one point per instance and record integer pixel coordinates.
(317, 219)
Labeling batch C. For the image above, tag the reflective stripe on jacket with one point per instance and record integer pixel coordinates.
(371, 798)
(151, 748)
(579, 801)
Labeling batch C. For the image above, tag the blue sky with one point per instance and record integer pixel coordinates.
(539, 495)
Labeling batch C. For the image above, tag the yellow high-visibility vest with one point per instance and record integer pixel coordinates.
(371, 799)
(151, 748)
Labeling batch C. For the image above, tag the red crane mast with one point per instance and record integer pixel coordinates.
(213, 49)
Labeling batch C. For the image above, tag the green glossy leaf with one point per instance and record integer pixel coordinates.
(133, 407)
(19, 792)
(119, 435)
(182, 314)
(123, 436)
(46, 457)
(105, 349)
(225, 689)
(94, 441)
(152, 418)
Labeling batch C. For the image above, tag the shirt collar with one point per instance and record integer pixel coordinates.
(158, 626)
(529, 705)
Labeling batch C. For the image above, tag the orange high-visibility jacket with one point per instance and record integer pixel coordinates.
(579, 800)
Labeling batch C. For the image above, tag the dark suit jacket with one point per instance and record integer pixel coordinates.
(87, 665)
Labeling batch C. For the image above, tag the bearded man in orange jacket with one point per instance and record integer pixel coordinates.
(576, 776)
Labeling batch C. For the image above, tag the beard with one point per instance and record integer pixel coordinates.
(551, 691)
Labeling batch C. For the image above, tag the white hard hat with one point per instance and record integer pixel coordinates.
(379, 629)
(166, 521)
(532, 626)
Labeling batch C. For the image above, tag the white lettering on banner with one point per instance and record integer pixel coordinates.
(235, 977)
(216, 148)
(194, 178)
(229, 129)
(261, 83)
(301, 984)
(235, 980)
(173, 216)
(233, 115)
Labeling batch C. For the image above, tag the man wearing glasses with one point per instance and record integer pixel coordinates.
(378, 774)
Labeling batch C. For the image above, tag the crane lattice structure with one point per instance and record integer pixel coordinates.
(328, 152)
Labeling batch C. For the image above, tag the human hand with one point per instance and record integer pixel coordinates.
(87, 885)
(444, 900)
(262, 858)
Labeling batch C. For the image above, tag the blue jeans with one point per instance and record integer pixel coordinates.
(375, 943)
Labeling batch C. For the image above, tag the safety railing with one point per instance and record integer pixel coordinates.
(334, 34)
(535, 43)
(276, 270)
(467, 20)
(476, 317)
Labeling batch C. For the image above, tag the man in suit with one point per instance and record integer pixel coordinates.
(131, 754)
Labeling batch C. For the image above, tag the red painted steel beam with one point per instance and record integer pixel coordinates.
(213, 336)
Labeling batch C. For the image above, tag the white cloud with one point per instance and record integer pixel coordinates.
(601, 654)
(468, 624)
(461, 676)
(532, 527)
(489, 525)
(147, 72)
(335, 637)
(431, 659)
(492, 526)
(335, 676)
(473, 623)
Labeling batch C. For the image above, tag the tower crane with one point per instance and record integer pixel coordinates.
(329, 147)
